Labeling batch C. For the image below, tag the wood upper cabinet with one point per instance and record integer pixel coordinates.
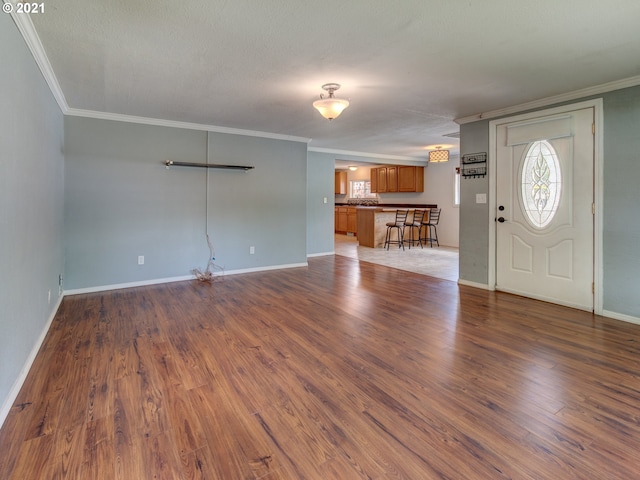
(397, 178)
(410, 179)
(384, 179)
(374, 180)
(392, 179)
(341, 183)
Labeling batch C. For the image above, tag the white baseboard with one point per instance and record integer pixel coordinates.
(157, 281)
(264, 269)
(483, 286)
(621, 316)
(322, 254)
(17, 385)
(117, 286)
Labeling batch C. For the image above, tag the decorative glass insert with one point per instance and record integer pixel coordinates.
(541, 182)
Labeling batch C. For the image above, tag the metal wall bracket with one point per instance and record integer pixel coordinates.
(171, 163)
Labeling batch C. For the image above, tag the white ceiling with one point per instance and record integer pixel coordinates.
(409, 68)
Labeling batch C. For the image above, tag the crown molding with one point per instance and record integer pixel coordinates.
(28, 32)
(545, 102)
(118, 117)
(31, 38)
(364, 154)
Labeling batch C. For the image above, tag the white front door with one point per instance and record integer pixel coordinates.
(544, 214)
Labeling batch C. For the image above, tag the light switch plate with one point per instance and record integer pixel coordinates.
(481, 198)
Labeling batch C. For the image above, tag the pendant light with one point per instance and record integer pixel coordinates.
(438, 155)
(330, 107)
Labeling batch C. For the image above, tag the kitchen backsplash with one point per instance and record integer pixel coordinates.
(362, 201)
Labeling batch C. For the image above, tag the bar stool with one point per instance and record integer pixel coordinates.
(431, 223)
(401, 218)
(416, 222)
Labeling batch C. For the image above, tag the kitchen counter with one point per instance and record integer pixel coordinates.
(424, 206)
(372, 220)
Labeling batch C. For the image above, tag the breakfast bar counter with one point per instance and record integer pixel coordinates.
(372, 221)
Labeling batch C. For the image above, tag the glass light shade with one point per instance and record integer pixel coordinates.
(436, 156)
(330, 108)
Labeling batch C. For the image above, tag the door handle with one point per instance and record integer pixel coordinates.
(501, 219)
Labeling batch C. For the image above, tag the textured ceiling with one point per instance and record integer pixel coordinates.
(409, 67)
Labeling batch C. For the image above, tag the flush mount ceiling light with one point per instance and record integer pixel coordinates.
(331, 107)
(438, 155)
(353, 168)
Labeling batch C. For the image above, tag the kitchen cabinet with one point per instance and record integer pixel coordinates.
(373, 177)
(352, 220)
(410, 179)
(346, 220)
(374, 180)
(341, 183)
(341, 219)
(392, 179)
(384, 179)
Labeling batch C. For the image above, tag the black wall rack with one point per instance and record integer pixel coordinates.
(474, 165)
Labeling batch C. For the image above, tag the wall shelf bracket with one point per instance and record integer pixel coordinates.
(171, 163)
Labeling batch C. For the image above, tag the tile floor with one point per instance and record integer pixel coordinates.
(440, 262)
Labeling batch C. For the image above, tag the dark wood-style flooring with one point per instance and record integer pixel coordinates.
(342, 370)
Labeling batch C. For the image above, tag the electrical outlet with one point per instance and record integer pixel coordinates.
(140, 259)
(324, 200)
(49, 297)
(252, 250)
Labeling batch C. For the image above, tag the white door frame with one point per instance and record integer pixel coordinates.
(596, 104)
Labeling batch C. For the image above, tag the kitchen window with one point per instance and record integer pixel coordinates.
(361, 189)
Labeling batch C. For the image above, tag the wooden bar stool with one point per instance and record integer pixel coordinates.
(416, 222)
(401, 218)
(431, 223)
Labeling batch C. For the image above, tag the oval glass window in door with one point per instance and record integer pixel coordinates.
(541, 182)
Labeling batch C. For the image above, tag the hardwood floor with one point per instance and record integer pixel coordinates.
(342, 370)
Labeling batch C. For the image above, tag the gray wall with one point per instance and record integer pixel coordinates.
(621, 242)
(621, 196)
(264, 207)
(320, 185)
(121, 202)
(31, 205)
(474, 224)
